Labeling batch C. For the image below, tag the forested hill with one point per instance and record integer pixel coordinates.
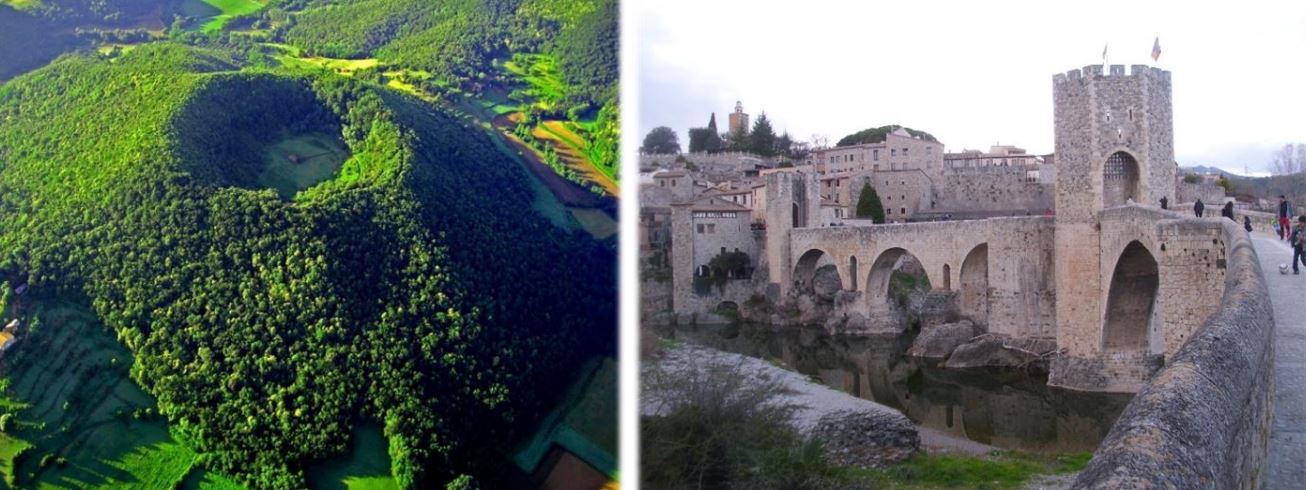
(456, 39)
(414, 288)
(41, 30)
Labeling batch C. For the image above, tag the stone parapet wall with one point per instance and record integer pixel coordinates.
(1203, 420)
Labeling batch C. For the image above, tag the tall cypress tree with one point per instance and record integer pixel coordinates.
(762, 139)
(869, 205)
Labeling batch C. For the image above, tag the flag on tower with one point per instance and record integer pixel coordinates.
(1156, 49)
(1104, 46)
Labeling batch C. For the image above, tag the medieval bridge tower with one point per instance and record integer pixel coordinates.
(1114, 146)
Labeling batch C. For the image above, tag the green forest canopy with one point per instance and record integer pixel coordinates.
(252, 320)
(877, 135)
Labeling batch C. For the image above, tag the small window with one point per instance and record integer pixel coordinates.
(893, 152)
(904, 211)
(711, 228)
(904, 152)
(875, 155)
(723, 250)
(700, 228)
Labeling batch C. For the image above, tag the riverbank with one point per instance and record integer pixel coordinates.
(812, 399)
(942, 461)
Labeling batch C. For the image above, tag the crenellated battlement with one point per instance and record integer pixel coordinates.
(1093, 72)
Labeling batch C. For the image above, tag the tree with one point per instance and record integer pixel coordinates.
(819, 141)
(1289, 160)
(762, 139)
(738, 140)
(869, 205)
(784, 144)
(877, 135)
(1226, 184)
(704, 140)
(661, 141)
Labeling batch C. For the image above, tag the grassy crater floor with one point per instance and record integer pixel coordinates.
(298, 162)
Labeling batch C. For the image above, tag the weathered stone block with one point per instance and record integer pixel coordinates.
(868, 439)
(937, 342)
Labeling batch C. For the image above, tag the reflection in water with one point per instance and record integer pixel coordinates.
(1005, 408)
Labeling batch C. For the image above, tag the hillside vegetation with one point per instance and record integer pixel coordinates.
(877, 135)
(404, 290)
(34, 32)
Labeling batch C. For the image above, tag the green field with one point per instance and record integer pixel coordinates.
(320, 157)
(366, 468)
(211, 15)
(539, 72)
(21, 4)
(74, 404)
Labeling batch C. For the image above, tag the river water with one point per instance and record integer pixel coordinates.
(1009, 409)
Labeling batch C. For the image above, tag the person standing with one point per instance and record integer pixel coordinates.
(1228, 211)
(1298, 240)
(1283, 217)
(1165, 203)
(1247, 223)
(1198, 208)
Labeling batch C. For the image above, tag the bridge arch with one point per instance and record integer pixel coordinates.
(1131, 300)
(808, 264)
(877, 281)
(974, 290)
(1120, 179)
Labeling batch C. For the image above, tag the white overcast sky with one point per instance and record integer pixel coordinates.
(972, 73)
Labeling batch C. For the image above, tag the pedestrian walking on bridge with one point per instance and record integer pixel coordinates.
(1298, 240)
(1198, 208)
(1284, 209)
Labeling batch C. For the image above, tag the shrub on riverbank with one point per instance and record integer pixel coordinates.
(719, 430)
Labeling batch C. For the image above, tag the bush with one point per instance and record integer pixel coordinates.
(721, 429)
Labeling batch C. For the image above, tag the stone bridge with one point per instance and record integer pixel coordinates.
(1152, 279)
(1001, 269)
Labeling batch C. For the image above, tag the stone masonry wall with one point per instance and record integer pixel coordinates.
(992, 189)
(1191, 262)
(1211, 195)
(1203, 420)
(784, 191)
